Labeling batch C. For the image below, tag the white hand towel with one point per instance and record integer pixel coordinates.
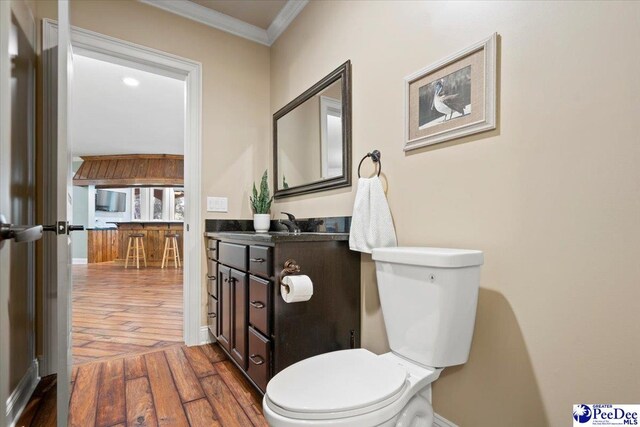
(371, 224)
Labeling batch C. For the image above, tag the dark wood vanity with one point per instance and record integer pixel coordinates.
(260, 332)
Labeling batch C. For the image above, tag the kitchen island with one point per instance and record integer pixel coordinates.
(110, 244)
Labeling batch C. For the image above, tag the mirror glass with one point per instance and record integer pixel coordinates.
(311, 140)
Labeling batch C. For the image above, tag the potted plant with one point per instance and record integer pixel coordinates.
(261, 204)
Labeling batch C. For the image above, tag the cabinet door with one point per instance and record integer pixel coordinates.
(212, 315)
(240, 317)
(224, 307)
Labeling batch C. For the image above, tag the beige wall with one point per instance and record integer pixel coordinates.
(235, 91)
(552, 196)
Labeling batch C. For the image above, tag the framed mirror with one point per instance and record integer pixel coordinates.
(312, 138)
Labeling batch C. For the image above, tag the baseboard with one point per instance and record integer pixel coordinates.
(79, 261)
(205, 335)
(439, 421)
(21, 395)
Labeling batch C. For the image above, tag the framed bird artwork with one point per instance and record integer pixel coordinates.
(452, 98)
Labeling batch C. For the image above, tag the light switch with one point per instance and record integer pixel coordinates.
(217, 204)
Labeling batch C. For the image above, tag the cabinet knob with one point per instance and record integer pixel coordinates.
(212, 315)
(257, 260)
(256, 304)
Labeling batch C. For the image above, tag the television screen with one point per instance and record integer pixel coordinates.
(111, 201)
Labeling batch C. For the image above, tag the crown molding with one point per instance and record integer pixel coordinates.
(220, 21)
(212, 18)
(285, 17)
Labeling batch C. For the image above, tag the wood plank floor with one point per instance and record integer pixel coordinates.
(118, 311)
(176, 386)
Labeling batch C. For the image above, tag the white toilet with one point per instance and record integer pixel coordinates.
(428, 298)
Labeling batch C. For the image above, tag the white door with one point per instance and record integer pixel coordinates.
(18, 367)
(15, 120)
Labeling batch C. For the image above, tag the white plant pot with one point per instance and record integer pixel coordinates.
(261, 222)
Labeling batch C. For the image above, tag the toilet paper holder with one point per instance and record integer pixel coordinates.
(290, 267)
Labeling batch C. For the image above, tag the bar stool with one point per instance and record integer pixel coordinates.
(134, 247)
(171, 247)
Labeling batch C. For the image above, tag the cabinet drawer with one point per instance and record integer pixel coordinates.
(212, 316)
(212, 249)
(233, 255)
(259, 304)
(259, 359)
(260, 261)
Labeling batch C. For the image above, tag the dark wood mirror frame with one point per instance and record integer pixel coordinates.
(344, 180)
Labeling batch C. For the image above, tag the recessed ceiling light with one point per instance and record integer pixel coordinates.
(130, 81)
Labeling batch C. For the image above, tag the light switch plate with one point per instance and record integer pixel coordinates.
(217, 204)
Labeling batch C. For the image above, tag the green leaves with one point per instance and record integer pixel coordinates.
(261, 203)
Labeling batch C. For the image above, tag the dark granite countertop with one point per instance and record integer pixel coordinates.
(277, 236)
(313, 230)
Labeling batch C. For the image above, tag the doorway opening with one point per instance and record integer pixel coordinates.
(127, 143)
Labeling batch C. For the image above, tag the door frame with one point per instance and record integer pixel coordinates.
(103, 47)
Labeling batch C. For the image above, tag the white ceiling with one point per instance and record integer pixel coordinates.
(260, 13)
(109, 117)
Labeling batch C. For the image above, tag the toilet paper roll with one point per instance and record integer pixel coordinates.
(296, 288)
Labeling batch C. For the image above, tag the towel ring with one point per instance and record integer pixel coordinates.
(375, 157)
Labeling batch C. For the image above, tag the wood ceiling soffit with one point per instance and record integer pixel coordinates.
(131, 170)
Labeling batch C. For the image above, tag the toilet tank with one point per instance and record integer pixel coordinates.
(429, 298)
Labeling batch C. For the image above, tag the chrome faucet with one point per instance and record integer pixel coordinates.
(291, 223)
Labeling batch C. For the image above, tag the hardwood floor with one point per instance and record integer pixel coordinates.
(176, 386)
(118, 311)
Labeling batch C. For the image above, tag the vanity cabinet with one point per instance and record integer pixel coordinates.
(259, 331)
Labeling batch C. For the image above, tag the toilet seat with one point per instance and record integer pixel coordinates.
(336, 385)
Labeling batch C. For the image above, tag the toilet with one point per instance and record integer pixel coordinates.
(428, 298)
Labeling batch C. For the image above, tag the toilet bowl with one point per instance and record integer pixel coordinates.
(428, 298)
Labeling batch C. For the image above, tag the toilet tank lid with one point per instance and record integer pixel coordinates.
(429, 257)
